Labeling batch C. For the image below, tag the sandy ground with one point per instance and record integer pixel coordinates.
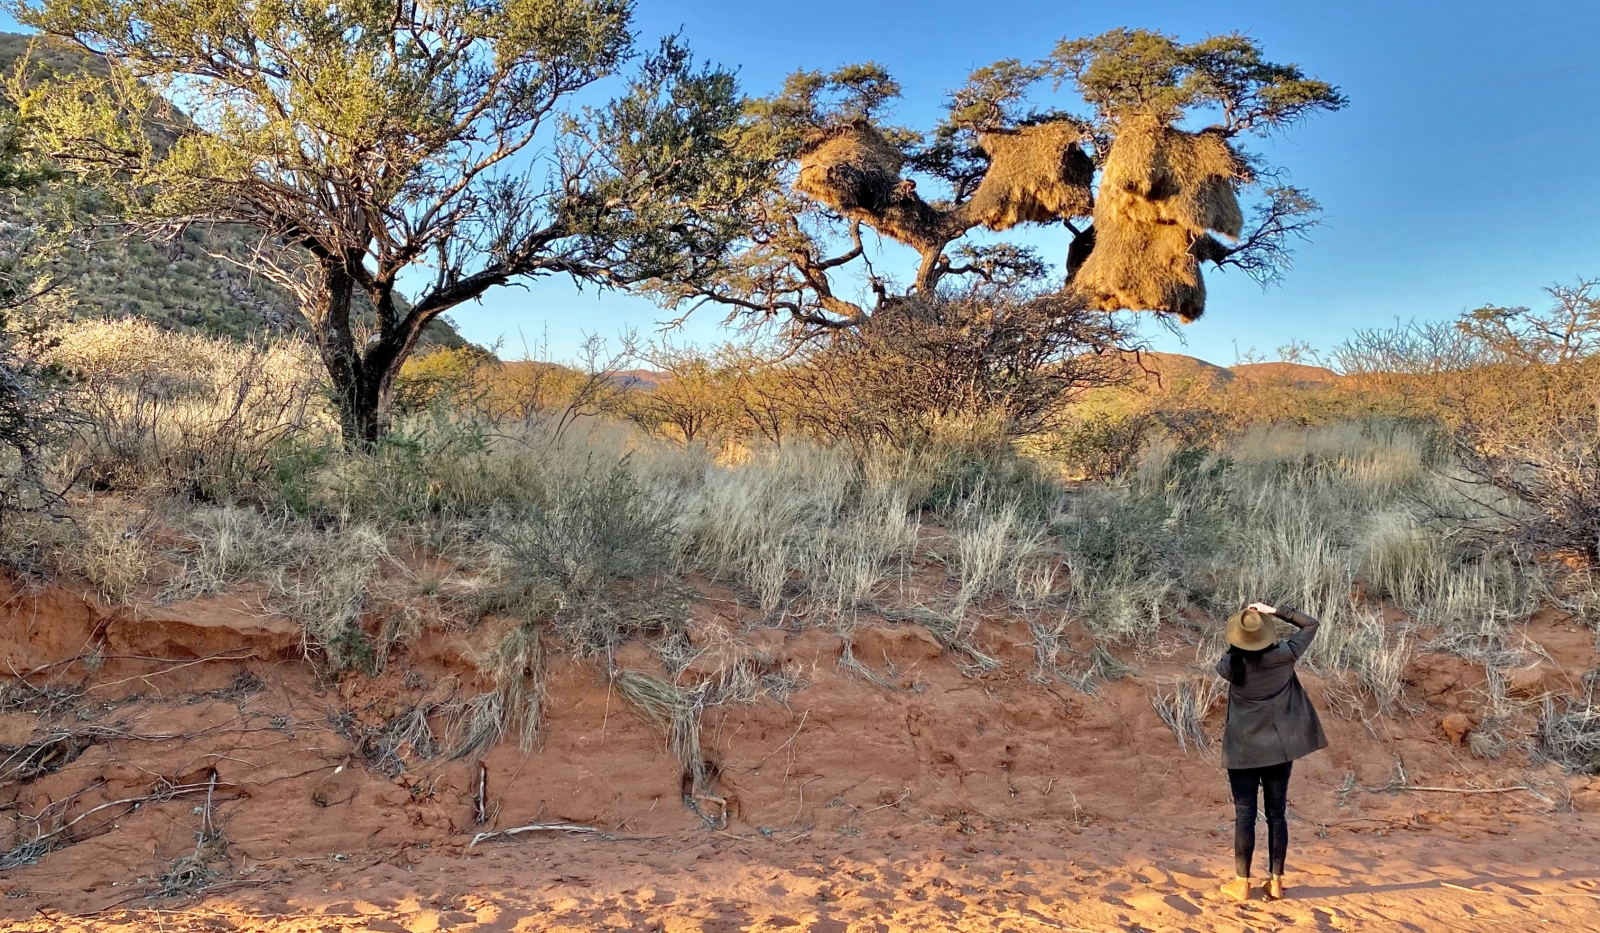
(919, 798)
(1136, 876)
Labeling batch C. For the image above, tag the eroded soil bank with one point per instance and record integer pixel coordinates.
(182, 767)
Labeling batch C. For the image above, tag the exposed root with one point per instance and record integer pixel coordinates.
(63, 832)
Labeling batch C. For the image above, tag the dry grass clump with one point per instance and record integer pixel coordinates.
(796, 521)
(1294, 517)
(1036, 174)
(232, 545)
(1162, 192)
(1120, 604)
(1184, 710)
(1571, 736)
(181, 414)
(107, 547)
(676, 710)
(516, 704)
(1360, 644)
(329, 586)
(408, 734)
(1049, 646)
(999, 548)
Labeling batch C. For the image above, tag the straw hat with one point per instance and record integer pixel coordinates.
(1249, 631)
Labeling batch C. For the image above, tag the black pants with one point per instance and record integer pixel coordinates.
(1273, 781)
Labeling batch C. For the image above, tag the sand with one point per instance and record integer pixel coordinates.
(918, 798)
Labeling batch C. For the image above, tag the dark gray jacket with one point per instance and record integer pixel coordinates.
(1270, 718)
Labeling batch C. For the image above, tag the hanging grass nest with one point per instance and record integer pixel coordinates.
(850, 167)
(1036, 174)
(853, 169)
(1153, 267)
(1162, 193)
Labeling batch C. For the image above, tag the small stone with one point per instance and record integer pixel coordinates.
(1455, 727)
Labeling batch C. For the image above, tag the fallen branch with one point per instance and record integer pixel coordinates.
(537, 828)
(1471, 790)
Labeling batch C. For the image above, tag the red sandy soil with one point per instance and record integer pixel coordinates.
(940, 801)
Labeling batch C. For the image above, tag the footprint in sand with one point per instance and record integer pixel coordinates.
(1155, 905)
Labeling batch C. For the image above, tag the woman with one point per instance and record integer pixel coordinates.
(1270, 724)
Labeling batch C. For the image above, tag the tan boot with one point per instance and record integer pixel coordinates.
(1238, 889)
(1274, 890)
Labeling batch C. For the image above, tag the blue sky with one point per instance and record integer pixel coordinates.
(1463, 173)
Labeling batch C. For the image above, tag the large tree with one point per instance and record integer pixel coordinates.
(1152, 208)
(375, 141)
(31, 405)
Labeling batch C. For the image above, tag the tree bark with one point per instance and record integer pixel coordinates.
(363, 372)
(361, 384)
(337, 342)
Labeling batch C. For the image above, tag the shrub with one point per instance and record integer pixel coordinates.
(329, 587)
(922, 360)
(1571, 736)
(179, 414)
(601, 541)
(1517, 388)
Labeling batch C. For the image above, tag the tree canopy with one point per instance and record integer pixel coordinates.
(432, 139)
(999, 159)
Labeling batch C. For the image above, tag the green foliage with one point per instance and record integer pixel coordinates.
(657, 208)
(1125, 72)
(831, 132)
(779, 123)
(32, 413)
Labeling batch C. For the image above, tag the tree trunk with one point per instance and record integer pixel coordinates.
(358, 391)
(363, 413)
(363, 372)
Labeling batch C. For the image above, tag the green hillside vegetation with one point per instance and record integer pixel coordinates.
(181, 285)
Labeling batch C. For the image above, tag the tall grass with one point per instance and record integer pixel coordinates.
(798, 521)
(182, 414)
(1296, 517)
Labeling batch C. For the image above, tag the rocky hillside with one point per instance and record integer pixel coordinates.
(188, 284)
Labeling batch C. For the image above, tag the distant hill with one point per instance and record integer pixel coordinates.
(181, 285)
(1175, 370)
(647, 380)
(1298, 374)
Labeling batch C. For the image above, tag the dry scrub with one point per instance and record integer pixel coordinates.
(579, 536)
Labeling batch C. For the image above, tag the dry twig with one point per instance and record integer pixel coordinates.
(539, 828)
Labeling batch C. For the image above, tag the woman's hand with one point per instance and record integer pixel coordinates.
(1262, 608)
